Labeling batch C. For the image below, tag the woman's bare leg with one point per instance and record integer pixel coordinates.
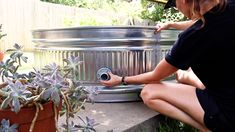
(188, 77)
(171, 111)
(175, 100)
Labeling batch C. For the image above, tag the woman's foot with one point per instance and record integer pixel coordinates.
(188, 77)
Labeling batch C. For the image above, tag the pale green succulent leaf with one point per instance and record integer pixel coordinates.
(6, 102)
(16, 104)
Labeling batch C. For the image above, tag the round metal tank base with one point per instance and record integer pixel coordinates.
(124, 94)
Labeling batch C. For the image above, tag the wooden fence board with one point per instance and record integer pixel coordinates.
(20, 17)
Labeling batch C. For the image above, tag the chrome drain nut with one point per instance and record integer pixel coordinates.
(102, 74)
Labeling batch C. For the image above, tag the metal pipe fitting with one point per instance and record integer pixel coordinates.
(102, 74)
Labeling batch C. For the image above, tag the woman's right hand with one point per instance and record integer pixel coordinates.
(113, 81)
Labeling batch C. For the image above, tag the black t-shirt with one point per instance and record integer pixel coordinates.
(210, 52)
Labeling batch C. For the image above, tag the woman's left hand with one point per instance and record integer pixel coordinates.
(161, 26)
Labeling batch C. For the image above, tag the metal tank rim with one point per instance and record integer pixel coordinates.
(96, 27)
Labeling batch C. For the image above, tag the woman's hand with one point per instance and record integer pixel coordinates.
(114, 80)
(182, 25)
(162, 26)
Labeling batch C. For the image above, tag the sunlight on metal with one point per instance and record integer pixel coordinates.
(159, 1)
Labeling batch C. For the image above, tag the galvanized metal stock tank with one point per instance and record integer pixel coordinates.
(125, 50)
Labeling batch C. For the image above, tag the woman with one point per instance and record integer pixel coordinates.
(207, 47)
(182, 76)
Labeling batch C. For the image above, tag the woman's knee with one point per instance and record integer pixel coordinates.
(147, 94)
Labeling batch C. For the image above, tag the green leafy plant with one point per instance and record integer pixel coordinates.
(131, 12)
(65, 2)
(126, 12)
(155, 12)
(1, 34)
(53, 83)
(171, 125)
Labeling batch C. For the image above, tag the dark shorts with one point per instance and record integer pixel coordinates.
(214, 119)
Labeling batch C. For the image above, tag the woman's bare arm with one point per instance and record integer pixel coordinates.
(162, 70)
(176, 25)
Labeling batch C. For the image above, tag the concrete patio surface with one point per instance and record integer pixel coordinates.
(120, 117)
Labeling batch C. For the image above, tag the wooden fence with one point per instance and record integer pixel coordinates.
(20, 17)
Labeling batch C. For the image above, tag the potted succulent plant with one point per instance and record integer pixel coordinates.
(31, 102)
(1, 35)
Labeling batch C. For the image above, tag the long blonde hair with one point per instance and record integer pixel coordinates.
(196, 7)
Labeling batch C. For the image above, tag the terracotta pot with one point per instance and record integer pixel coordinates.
(44, 123)
(1, 55)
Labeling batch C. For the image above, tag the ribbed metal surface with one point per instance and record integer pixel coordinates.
(123, 62)
(125, 50)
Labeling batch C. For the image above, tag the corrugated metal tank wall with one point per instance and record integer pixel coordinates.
(125, 50)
